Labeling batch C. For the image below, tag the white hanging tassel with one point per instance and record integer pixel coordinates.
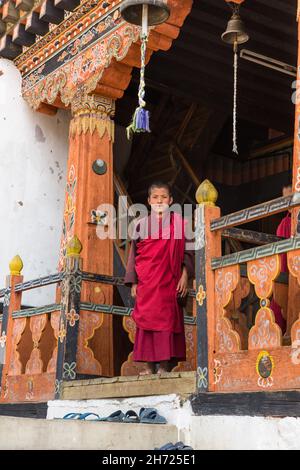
(234, 137)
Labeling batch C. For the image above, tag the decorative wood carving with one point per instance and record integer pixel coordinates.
(262, 273)
(226, 282)
(265, 333)
(35, 363)
(15, 367)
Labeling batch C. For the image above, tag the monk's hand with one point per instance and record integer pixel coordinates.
(133, 290)
(182, 286)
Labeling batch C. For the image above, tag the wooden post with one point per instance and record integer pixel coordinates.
(208, 246)
(12, 302)
(91, 139)
(66, 366)
(293, 290)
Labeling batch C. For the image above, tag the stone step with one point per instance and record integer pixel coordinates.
(59, 434)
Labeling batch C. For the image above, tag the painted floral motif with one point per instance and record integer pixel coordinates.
(62, 333)
(228, 340)
(69, 371)
(30, 394)
(295, 352)
(58, 386)
(72, 317)
(202, 377)
(69, 215)
(99, 217)
(201, 295)
(265, 332)
(294, 263)
(75, 284)
(226, 282)
(262, 272)
(84, 71)
(200, 228)
(3, 339)
(6, 300)
(218, 371)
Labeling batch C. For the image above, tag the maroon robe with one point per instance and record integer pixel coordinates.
(284, 230)
(155, 265)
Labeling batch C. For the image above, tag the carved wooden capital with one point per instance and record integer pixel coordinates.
(92, 113)
(93, 105)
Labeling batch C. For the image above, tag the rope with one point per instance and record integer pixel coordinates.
(234, 137)
(142, 85)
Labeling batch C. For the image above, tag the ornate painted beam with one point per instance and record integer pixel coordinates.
(88, 50)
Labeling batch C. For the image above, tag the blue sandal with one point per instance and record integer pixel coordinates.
(84, 417)
(151, 416)
(116, 417)
(131, 417)
(72, 416)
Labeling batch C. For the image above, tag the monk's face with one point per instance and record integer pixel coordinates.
(160, 200)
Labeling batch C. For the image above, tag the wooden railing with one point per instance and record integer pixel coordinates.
(241, 355)
(42, 347)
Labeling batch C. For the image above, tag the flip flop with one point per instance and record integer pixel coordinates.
(151, 416)
(168, 446)
(181, 446)
(72, 416)
(116, 417)
(84, 417)
(131, 417)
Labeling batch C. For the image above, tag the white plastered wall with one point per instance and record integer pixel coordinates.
(33, 159)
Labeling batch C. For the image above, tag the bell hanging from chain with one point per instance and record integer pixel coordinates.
(144, 13)
(235, 35)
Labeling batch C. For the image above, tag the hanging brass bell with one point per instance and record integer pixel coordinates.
(235, 32)
(132, 11)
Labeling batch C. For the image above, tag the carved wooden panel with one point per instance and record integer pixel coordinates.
(15, 367)
(226, 282)
(35, 363)
(262, 273)
(86, 361)
(55, 317)
(227, 340)
(265, 333)
(293, 259)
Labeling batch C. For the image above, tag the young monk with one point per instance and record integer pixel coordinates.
(158, 270)
(284, 230)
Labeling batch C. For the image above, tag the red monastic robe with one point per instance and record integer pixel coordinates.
(155, 264)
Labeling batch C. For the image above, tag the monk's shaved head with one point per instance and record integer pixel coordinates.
(159, 184)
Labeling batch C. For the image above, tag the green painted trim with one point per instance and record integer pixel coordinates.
(245, 256)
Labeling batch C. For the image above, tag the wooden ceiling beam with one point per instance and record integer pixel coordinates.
(8, 49)
(25, 5)
(50, 13)
(21, 36)
(35, 25)
(10, 14)
(68, 5)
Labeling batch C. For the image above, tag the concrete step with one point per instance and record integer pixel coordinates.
(59, 434)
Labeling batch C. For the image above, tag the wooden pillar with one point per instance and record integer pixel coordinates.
(91, 138)
(293, 292)
(67, 346)
(208, 246)
(12, 302)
